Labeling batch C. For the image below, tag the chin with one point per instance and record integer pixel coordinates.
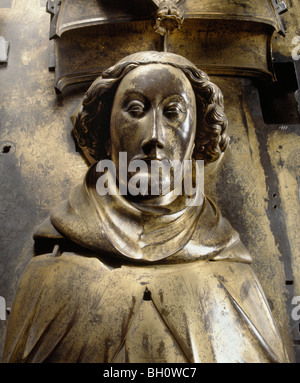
(143, 184)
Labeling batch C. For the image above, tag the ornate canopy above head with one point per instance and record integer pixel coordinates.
(220, 36)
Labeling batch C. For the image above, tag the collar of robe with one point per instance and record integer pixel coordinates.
(177, 232)
(144, 231)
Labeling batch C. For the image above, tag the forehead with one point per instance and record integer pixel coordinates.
(156, 79)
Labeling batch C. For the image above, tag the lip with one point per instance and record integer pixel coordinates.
(148, 158)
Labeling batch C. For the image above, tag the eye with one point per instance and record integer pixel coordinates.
(174, 110)
(136, 108)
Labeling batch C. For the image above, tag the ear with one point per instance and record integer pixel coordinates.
(107, 146)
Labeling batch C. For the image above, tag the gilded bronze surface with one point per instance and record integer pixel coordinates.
(39, 163)
(158, 279)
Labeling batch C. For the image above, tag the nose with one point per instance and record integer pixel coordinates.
(154, 137)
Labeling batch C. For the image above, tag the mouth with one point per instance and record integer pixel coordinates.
(165, 160)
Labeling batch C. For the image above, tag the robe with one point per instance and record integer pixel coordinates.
(170, 285)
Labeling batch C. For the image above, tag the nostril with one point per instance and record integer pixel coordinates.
(148, 146)
(151, 145)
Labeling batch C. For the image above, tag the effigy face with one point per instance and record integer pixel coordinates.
(153, 118)
(158, 279)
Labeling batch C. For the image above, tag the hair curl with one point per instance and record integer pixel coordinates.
(92, 121)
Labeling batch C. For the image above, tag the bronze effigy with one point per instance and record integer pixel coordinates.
(143, 278)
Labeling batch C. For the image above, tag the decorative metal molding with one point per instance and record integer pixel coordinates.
(53, 7)
(280, 7)
(169, 17)
(86, 13)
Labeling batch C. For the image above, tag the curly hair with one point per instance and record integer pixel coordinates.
(92, 120)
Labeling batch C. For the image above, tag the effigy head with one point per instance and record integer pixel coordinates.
(199, 115)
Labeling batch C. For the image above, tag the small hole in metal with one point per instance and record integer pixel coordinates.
(147, 295)
(6, 149)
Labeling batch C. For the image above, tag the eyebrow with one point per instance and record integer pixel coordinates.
(135, 93)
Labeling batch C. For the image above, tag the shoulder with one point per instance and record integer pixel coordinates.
(50, 294)
(48, 268)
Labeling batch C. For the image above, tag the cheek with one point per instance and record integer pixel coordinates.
(189, 129)
(125, 136)
(181, 134)
(119, 130)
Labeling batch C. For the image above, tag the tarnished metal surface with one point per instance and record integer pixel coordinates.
(78, 61)
(221, 37)
(39, 164)
(78, 14)
(35, 139)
